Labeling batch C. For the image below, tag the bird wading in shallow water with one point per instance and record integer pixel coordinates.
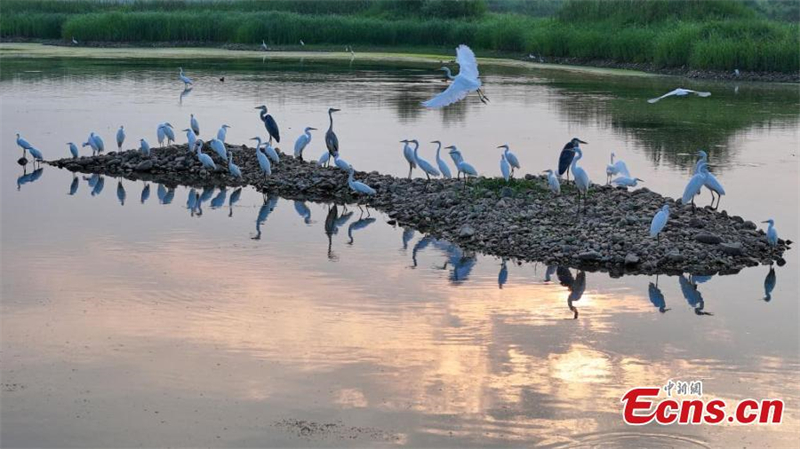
(186, 80)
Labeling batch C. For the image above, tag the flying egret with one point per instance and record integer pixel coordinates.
(462, 84)
(679, 92)
(505, 167)
(772, 233)
(624, 181)
(145, 193)
(711, 182)
(694, 185)
(581, 178)
(426, 166)
(264, 45)
(144, 147)
(204, 158)
(769, 284)
(233, 169)
(331, 141)
(121, 195)
(263, 162)
(552, 182)
(357, 186)
(186, 80)
(567, 155)
(341, 163)
(191, 138)
(616, 168)
(222, 133)
(120, 137)
(270, 124)
(22, 143)
(73, 149)
(194, 124)
(511, 158)
(408, 153)
(440, 162)
(659, 222)
(219, 148)
(302, 142)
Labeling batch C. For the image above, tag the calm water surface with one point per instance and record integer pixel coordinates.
(129, 320)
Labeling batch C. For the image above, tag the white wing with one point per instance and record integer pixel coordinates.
(699, 94)
(467, 64)
(457, 91)
(668, 94)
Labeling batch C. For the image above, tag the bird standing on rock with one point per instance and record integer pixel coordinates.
(357, 186)
(270, 124)
(616, 168)
(194, 124)
(567, 155)
(233, 169)
(624, 181)
(222, 133)
(144, 147)
(511, 158)
(772, 233)
(552, 182)
(426, 166)
(263, 162)
(73, 149)
(204, 158)
(408, 153)
(302, 142)
(659, 222)
(505, 167)
(581, 178)
(331, 141)
(440, 162)
(120, 137)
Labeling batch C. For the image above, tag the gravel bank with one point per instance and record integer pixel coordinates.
(522, 221)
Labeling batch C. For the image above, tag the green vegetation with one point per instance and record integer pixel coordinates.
(722, 34)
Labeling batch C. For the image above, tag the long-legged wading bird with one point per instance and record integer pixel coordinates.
(233, 169)
(91, 144)
(22, 143)
(341, 163)
(98, 142)
(186, 80)
(426, 166)
(694, 185)
(191, 138)
(772, 233)
(120, 137)
(464, 167)
(581, 178)
(511, 158)
(679, 92)
(552, 182)
(36, 155)
(264, 45)
(567, 154)
(505, 167)
(408, 153)
(357, 186)
(222, 133)
(302, 142)
(144, 147)
(202, 157)
(711, 182)
(324, 159)
(462, 84)
(219, 148)
(194, 124)
(331, 141)
(73, 150)
(616, 168)
(440, 162)
(270, 124)
(659, 221)
(624, 181)
(263, 162)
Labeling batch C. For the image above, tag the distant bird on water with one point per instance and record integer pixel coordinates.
(22, 143)
(659, 222)
(462, 84)
(567, 155)
(303, 44)
(679, 92)
(74, 41)
(186, 80)
(302, 142)
(772, 233)
(270, 124)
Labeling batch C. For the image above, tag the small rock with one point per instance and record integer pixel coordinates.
(631, 259)
(466, 231)
(733, 249)
(708, 238)
(697, 223)
(144, 166)
(589, 255)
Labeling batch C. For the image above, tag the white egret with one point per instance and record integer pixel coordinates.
(186, 80)
(204, 158)
(616, 168)
(440, 162)
(269, 150)
(408, 153)
(552, 182)
(263, 162)
(73, 149)
(505, 167)
(219, 148)
(160, 135)
(511, 158)
(90, 143)
(659, 222)
(457, 158)
(772, 233)
(264, 45)
(303, 44)
(270, 124)
(222, 133)
(581, 178)
(191, 138)
(694, 185)
(233, 169)
(624, 181)
(302, 142)
(711, 181)
(679, 92)
(74, 41)
(462, 84)
(324, 160)
(426, 166)
(98, 142)
(22, 143)
(357, 186)
(341, 163)
(567, 155)
(35, 154)
(165, 131)
(194, 124)
(331, 141)
(144, 147)
(120, 137)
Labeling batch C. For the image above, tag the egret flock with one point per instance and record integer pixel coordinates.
(461, 85)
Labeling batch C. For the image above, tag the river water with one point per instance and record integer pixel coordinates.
(130, 320)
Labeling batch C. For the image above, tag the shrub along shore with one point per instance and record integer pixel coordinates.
(719, 35)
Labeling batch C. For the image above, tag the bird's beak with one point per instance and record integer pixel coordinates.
(765, 222)
(640, 179)
(312, 129)
(450, 147)
(503, 146)
(435, 141)
(579, 140)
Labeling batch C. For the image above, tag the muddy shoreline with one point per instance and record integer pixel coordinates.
(521, 221)
(744, 76)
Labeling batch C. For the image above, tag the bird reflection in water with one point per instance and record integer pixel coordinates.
(191, 201)
(27, 178)
(73, 187)
(219, 200)
(184, 94)
(161, 193)
(419, 246)
(462, 263)
(121, 195)
(361, 223)
(98, 186)
(693, 296)
(330, 228)
(502, 277)
(657, 297)
(145, 192)
(549, 272)
(769, 284)
(408, 234)
(576, 292)
(303, 211)
(169, 196)
(266, 208)
(233, 200)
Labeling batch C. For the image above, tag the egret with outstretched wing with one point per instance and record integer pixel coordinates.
(680, 92)
(462, 84)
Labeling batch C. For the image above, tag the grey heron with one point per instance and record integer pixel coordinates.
(270, 124)
(331, 141)
(567, 154)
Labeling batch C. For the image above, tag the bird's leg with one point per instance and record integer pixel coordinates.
(483, 96)
(410, 168)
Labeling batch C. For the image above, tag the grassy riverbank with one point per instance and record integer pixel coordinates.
(718, 35)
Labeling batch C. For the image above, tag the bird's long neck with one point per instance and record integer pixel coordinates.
(449, 74)
(438, 149)
(612, 158)
(330, 116)
(263, 114)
